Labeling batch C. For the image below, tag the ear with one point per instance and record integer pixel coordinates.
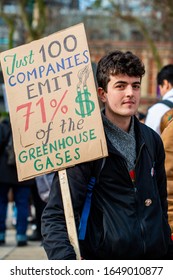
(101, 94)
(167, 85)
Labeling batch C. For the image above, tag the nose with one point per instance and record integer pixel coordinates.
(129, 90)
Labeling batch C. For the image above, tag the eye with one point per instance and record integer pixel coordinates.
(120, 86)
(138, 86)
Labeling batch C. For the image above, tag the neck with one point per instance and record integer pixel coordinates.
(120, 121)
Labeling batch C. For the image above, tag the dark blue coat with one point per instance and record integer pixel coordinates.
(127, 220)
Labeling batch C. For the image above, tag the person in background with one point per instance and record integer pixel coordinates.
(156, 111)
(166, 118)
(40, 196)
(38, 205)
(141, 116)
(128, 214)
(167, 138)
(8, 181)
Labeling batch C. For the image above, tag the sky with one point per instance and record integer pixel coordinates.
(85, 3)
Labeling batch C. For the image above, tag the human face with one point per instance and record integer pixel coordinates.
(122, 96)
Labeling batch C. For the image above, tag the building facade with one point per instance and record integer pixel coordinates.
(104, 32)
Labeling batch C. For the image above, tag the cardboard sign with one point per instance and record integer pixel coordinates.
(53, 105)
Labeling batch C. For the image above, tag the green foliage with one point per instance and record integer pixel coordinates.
(97, 4)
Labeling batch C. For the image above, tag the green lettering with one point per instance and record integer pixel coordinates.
(91, 134)
(85, 139)
(77, 141)
(45, 149)
(23, 157)
(67, 156)
(31, 153)
(38, 165)
(53, 147)
(60, 159)
(78, 155)
(48, 162)
(61, 144)
(69, 141)
(38, 151)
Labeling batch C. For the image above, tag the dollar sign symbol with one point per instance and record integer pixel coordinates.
(86, 106)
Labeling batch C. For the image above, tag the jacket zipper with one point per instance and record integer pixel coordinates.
(140, 223)
(135, 191)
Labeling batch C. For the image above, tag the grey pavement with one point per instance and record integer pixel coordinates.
(10, 250)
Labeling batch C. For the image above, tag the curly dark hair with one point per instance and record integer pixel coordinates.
(116, 63)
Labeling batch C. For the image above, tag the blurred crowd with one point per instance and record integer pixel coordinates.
(24, 195)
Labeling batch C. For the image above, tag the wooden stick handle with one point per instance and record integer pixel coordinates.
(68, 211)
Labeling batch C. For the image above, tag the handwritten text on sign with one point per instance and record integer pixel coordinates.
(53, 104)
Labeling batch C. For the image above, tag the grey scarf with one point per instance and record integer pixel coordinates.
(124, 142)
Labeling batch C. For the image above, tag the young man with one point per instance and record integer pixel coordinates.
(155, 112)
(128, 215)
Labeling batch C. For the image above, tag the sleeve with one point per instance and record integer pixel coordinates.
(167, 137)
(154, 116)
(55, 237)
(161, 174)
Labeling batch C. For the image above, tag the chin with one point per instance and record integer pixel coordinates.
(130, 113)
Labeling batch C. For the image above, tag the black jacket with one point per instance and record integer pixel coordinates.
(127, 220)
(8, 173)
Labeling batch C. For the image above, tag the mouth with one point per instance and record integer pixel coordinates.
(129, 102)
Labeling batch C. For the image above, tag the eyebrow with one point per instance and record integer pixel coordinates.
(123, 82)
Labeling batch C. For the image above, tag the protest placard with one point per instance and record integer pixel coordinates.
(53, 105)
